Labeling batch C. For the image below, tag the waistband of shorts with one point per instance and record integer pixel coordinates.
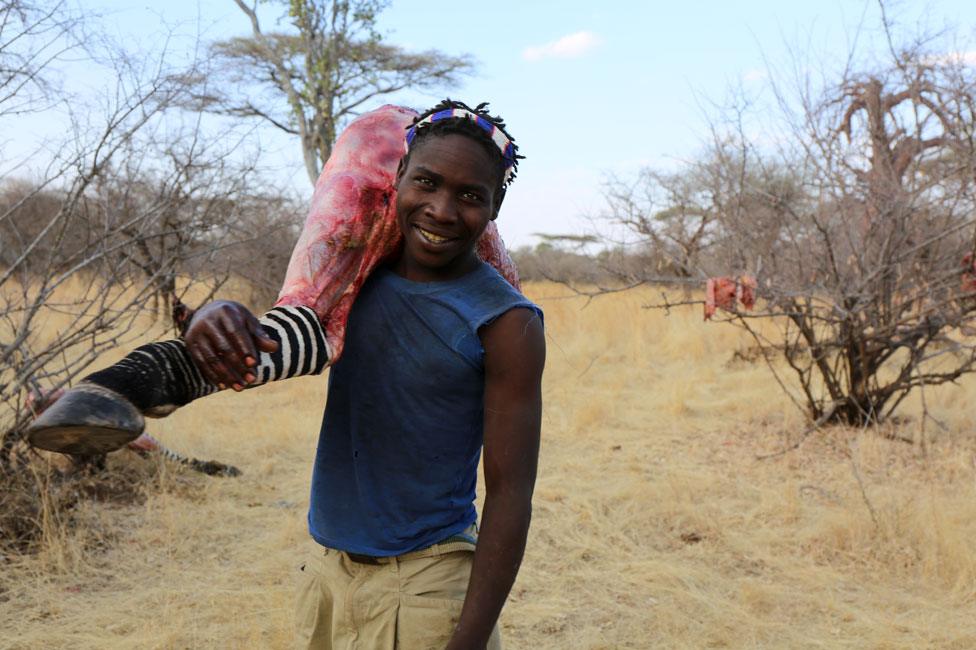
(463, 541)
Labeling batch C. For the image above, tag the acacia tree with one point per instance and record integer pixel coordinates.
(860, 225)
(310, 80)
(683, 218)
(873, 278)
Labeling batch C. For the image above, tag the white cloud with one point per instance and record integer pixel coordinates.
(953, 58)
(567, 47)
(755, 74)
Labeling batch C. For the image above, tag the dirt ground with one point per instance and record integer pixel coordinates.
(655, 525)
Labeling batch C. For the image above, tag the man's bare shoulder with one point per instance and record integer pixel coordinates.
(516, 339)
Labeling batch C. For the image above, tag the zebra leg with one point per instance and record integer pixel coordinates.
(105, 411)
(146, 445)
(156, 378)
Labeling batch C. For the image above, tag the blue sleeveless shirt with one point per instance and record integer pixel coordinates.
(397, 459)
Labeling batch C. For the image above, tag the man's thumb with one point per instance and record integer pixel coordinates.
(264, 342)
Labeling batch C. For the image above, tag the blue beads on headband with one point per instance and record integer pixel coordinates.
(501, 140)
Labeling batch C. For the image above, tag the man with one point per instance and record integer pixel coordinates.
(442, 356)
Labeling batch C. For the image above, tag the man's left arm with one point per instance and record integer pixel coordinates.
(515, 353)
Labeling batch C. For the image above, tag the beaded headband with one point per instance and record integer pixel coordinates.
(502, 141)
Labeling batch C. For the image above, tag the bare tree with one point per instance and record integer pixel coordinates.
(312, 79)
(130, 195)
(684, 217)
(860, 225)
(32, 35)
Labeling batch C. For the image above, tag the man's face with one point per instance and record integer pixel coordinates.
(446, 195)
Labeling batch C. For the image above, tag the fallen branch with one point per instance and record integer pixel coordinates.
(814, 426)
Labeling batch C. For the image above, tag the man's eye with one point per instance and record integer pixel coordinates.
(472, 196)
(423, 180)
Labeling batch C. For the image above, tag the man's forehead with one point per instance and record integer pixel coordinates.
(453, 153)
(461, 116)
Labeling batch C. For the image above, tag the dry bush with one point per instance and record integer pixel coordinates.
(134, 195)
(855, 207)
(40, 502)
(610, 267)
(548, 262)
(46, 498)
(269, 225)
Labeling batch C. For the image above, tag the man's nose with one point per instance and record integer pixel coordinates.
(440, 208)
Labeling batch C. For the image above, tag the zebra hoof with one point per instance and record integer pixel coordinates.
(88, 419)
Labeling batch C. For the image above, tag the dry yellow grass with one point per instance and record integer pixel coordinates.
(654, 525)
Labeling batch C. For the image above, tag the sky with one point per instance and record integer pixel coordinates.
(588, 89)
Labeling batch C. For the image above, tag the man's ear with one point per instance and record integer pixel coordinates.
(401, 168)
(499, 197)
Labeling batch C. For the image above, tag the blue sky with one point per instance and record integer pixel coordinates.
(587, 88)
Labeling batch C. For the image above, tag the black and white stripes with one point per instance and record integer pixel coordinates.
(160, 377)
(157, 378)
(302, 349)
(150, 445)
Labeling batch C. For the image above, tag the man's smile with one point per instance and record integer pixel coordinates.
(432, 237)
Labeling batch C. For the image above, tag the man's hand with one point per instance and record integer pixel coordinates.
(223, 339)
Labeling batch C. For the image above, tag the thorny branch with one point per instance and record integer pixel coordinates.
(859, 223)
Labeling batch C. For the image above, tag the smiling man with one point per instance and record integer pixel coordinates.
(442, 356)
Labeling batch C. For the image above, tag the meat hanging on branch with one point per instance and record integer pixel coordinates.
(351, 228)
(968, 273)
(725, 292)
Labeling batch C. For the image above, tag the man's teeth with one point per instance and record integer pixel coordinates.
(431, 237)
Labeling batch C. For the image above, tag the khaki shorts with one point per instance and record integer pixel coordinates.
(408, 603)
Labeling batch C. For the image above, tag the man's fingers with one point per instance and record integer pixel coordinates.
(223, 360)
(239, 335)
(205, 358)
(226, 341)
(227, 376)
(220, 342)
(227, 352)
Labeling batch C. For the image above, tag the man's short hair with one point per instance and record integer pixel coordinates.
(450, 117)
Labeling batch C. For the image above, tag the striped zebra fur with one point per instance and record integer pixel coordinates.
(147, 445)
(160, 377)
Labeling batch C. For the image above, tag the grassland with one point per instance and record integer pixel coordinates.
(655, 525)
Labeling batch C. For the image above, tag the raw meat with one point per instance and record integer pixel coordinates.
(724, 292)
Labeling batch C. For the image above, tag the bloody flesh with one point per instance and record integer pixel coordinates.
(724, 292)
(352, 227)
